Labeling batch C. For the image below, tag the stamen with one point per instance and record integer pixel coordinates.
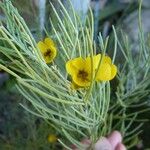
(48, 53)
(83, 75)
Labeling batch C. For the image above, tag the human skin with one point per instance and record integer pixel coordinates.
(112, 142)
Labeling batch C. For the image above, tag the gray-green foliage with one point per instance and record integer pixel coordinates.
(87, 113)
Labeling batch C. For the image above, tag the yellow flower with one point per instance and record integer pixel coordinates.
(107, 71)
(48, 49)
(81, 71)
(52, 138)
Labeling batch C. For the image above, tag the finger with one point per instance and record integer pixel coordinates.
(115, 138)
(103, 144)
(86, 142)
(120, 147)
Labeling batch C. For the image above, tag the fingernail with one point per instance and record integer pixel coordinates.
(115, 138)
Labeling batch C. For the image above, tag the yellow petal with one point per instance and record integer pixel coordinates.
(49, 42)
(78, 63)
(107, 59)
(69, 67)
(52, 138)
(94, 60)
(54, 51)
(72, 66)
(104, 72)
(113, 71)
(97, 58)
(42, 46)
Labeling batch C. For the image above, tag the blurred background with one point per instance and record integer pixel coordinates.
(19, 130)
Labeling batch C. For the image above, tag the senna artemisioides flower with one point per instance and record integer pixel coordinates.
(48, 49)
(81, 69)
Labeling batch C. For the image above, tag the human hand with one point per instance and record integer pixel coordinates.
(112, 142)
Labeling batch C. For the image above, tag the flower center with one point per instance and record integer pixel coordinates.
(48, 53)
(82, 75)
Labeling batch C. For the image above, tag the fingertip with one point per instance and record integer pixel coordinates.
(120, 146)
(115, 138)
(86, 142)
